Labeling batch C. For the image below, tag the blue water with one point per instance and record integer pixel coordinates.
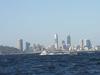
(29, 64)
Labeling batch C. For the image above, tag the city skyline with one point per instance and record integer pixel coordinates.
(66, 45)
(24, 45)
(37, 21)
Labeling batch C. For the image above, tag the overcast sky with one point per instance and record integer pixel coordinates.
(37, 21)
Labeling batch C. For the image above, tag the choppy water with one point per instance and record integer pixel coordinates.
(82, 64)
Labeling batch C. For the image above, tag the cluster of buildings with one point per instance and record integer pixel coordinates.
(67, 45)
(35, 48)
(85, 45)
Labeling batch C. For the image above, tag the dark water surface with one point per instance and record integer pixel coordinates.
(29, 64)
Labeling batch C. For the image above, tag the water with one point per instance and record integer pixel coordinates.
(29, 64)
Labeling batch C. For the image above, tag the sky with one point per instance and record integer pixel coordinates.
(37, 21)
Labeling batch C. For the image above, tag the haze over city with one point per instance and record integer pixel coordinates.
(37, 21)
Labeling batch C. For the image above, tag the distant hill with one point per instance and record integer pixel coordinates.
(8, 50)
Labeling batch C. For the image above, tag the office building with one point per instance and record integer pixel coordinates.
(68, 41)
(82, 45)
(20, 44)
(27, 46)
(56, 40)
(88, 44)
(64, 45)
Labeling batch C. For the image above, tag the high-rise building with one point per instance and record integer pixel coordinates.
(20, 44)
(27, 46)
(64, 45)
(88, 44)
(56, 40)
(82, 45)
(68, 40)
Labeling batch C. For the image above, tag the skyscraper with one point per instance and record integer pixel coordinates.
(27, 46)
(56, 40)
(82, 45)
(64, 45)
(68, 40)
(88, 44)
(20, 44)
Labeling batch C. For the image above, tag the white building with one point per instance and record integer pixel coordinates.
(56, 40)
(20, 44)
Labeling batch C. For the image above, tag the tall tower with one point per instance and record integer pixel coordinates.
(56, 40)
(82, 45)
(68, 40)
(20, 44)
